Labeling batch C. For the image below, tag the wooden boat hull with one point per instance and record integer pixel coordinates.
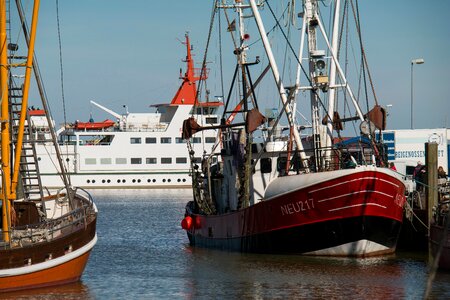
(346, 213)
(63, 273)
(50, 262)
(436, 232)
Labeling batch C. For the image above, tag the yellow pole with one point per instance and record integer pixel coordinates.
(5, 151)
(26, 88)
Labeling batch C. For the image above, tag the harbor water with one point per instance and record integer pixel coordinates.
(142, 253)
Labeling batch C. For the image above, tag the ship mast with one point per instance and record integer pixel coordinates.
(9, 184)
(5, 146)
(187, 93)
(24, 105)
(332, 95)
(281, 89)
(311, 24)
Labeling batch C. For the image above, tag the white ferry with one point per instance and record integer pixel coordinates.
(134, 150)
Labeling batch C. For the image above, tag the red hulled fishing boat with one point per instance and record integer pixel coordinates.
(266, 192)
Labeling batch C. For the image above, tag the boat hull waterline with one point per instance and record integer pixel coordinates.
(50, 262)
(68, 270)
(353, 214)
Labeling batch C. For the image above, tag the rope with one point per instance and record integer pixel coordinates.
(410, 210)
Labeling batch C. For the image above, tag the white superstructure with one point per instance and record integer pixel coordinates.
(134, 150)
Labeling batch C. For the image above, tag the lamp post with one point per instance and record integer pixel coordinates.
(417, 61)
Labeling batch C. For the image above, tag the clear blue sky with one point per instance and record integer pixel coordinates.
(128, 52)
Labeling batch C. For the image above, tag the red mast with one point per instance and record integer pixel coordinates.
(187, 92)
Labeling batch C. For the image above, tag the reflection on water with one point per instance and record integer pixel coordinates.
(142, 253)
(261, 276)
(70, 291)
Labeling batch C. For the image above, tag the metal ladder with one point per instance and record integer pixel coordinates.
(30, 180)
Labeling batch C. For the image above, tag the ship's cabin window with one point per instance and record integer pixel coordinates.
(121, 161)
(150, 140)
(210, 120)
(197, 160)
(166, 140)
(90, 161)
(205, 110)
(135, 140)
(136, 160)
(196, 140)
(179, 140)
(281, 164)
(266, 165)
(66, 139)
(166, 160)
(150, 160)
(95, 140)
(181, 160)
(210, 140)
(105, 161)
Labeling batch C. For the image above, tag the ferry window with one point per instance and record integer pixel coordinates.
(166, 160)
(166, 140)
(179, 140)
(136, 160)
(121, 161)
(95, 140)
(90, 161)
(196, 140)
(135, 140)
(150, 160)
(181, 160)
(210, 140)
(197, 160)
(105, 161)
(211, 120)
(150, 140)
(199, 111)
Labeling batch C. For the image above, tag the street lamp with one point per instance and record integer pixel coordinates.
(417, 61)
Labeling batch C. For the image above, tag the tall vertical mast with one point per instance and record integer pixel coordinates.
(187, 92)
(24, 105)
(332, 93)
(5, 150)
(310, 7)
(277, 78)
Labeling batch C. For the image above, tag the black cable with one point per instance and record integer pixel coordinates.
(61, 62)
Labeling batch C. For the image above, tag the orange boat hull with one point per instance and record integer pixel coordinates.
(65, 273)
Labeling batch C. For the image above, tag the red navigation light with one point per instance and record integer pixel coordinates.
(246, 36)
(186, 223)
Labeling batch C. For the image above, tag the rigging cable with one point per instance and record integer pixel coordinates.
(203, 68)
(41, 89)
(358, 28)
(61, 61)
(298, 61)
(221, 57)
(363, 63)
(62, 83)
